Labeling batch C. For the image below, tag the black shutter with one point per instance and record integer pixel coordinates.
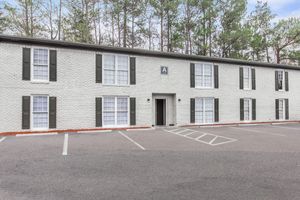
(242, 109)
(241, 78)
(253, 79)
(192, 110)
(192, 74)
(98, 68)
(132, 71)
(253, 109)
(287, 109)
(216, 110)
(26, 112)
(286, 81)
(132, 111)
(216, 76)
(53, 65)
(276, 81)
(26, 63)
(52, 112)
(98, 112)
(277, 108)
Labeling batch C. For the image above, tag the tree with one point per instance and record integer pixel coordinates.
(232, 38)
(259, 24)
(78, 22)
(285, 35)
(206, 24)
(2, 22)
(23, 18)
(159, 7)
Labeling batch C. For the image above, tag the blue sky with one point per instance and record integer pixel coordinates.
(282, 8)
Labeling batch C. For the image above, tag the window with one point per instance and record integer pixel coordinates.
(204, 75)
(40, 112)
(280, 80)
(115, 111)
(115, 69)
(40, 71)
(247, 78)
(247, 109)
(281, 109)
(204, 110)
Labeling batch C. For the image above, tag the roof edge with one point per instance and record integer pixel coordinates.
(140, 52)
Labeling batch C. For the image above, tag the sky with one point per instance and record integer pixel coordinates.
(282, 8)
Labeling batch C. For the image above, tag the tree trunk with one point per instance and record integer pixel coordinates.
(132, 32)
(277, 53)
(27, 19)
(59, 19)
(50, 20)
(125, 24)
(31, 20)
(119, 29)
(161, 32)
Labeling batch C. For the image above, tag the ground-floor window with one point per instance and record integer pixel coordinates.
(281, 109)
(204, 110)
(247, 110)
(115, 111)
(40, 112)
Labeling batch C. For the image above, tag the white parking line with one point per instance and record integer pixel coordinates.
(36, 134)
(140, 129)
(256, 131)
(2, 139)
(290, 128)
(198, 139)
(131, 140)
(99, 131)
(65, 148)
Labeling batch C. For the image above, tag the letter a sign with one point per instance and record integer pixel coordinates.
(164, 70)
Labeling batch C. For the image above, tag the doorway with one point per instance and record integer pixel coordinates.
(160, 105)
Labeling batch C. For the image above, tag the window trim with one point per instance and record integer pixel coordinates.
(283, 79)
(32, 66)
(203, 115)
(116, 70)
(250, 77)
(31, 111)
(250, 109)
(212, 75)
(116, 111)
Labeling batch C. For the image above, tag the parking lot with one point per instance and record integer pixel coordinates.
(240, 162)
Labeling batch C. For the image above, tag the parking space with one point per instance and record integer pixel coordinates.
(241, 162)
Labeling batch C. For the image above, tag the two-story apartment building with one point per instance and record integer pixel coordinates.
(56, 85)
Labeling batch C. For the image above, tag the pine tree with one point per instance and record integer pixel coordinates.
(2, 22)
(232, 39)
(23, 18)
(259, 24)
(78, 22)
(285, 35)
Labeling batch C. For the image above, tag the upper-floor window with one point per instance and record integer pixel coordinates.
(204, 75)
(115, 69)
(40, 69)
(247, 78)
(280, 79)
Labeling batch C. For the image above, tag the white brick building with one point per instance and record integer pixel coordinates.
(47, 85)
